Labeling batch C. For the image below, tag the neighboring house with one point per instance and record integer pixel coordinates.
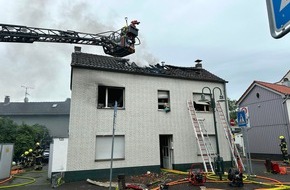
(53, 115)
(153, 125)
(268, 106)
(285, 80)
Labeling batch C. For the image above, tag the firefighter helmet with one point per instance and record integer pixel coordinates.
(30, 150)
(37, 144)
(281, 137)
(26, 152)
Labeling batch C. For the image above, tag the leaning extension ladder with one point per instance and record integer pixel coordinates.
(229, 136)
(207, 140)
(203, 149)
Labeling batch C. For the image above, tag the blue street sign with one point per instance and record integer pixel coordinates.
(279, 17)
(242, 122)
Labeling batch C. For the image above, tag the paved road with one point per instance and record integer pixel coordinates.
(42, 183)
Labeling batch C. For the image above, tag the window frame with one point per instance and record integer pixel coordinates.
(106, 145)
(198, 105)
(163, 95)
(207, 105)
(103, 97)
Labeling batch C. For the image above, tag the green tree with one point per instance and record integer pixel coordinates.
(233, 109)
(8, 130)
(23, 136)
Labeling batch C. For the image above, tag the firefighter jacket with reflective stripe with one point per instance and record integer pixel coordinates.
(283, 146)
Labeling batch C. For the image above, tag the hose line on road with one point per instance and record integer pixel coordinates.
(5, 180)
(273, 184)
(31, 180)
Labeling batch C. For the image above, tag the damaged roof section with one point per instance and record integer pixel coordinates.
(113, 64)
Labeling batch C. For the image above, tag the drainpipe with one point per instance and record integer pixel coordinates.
(226, 103)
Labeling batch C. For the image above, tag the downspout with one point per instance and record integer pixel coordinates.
(226, 104)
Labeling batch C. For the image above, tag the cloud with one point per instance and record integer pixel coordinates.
(46, 66)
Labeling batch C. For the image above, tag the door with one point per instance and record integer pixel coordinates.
(166, 151)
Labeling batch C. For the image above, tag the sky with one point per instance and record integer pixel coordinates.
(232, 38)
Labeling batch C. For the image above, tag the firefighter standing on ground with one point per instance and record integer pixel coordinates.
(38, 156)
(284, 150)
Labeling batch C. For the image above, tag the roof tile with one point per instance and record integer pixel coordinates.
(99, 62)
(35, 108)
(277, 87)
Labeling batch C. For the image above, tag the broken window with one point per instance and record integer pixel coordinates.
(201, 106)
(104, 147)
(108, 95)
(163, 100)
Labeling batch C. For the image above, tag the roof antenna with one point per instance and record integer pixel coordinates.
(26, 93)
(126, 18)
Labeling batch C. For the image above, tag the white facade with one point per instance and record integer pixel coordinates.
(6, 154)
(58, 156)
(140, 122)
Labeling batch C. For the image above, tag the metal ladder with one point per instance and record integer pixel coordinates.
(207, 140)
(202, 145)
(229, 136)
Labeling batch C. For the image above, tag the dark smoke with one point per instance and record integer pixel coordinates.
(46, 66)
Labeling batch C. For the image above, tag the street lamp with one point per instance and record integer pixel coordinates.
(218, 160)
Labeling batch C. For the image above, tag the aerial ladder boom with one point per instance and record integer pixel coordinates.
(118, 43)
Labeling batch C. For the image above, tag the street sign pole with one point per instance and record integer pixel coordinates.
(248, 153)
(279, 17)
(243, 123)
(112, 150)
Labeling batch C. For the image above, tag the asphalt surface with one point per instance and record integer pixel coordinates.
(42, 183)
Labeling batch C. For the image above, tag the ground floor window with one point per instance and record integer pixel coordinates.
(108, 95)
(210, 141)
(104, 147)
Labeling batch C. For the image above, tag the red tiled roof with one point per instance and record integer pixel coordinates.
(277, 87)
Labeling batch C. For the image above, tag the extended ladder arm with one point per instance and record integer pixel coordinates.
(110, 41)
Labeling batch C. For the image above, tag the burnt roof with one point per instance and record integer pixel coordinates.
(35, 108)
(120, 65)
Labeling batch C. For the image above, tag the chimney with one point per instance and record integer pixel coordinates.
(198, 64)
(78, 49)
(7, 100)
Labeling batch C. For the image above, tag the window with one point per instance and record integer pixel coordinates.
(201, 106)
(104, 147)
(163, 100)
(108, 95)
